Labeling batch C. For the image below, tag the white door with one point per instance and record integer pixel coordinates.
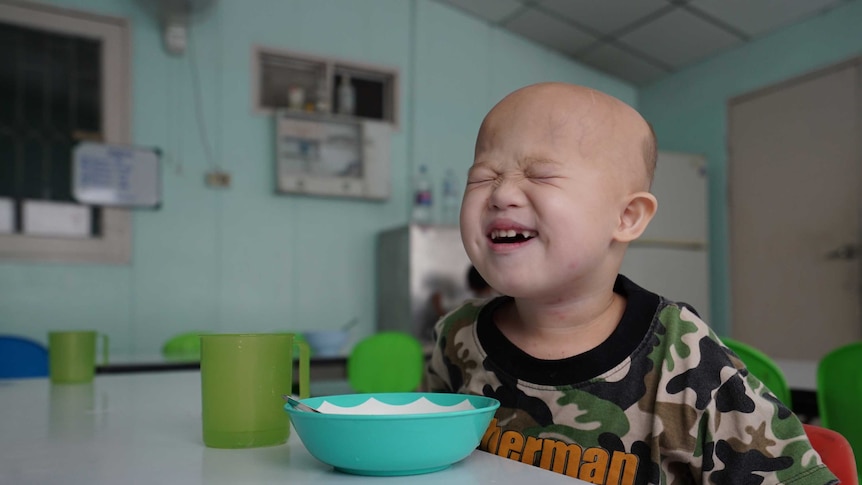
(794, 178)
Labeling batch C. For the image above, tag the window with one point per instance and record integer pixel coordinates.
(64, 78)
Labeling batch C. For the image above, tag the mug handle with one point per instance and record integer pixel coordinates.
(304, 360)
(104, 348)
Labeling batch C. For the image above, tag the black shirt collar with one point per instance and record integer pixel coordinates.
(641, 307)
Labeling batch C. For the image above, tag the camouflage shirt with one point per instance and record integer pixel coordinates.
(660, 401)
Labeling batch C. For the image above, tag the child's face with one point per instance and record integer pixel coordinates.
(544, 197)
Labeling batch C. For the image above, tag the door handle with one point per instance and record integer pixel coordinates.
(845, 252)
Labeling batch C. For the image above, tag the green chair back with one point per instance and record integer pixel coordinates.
(184, 346)
(839, 394)
(763, 367)
(386, 362)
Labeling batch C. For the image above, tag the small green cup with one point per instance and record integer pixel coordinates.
(72, 356)
(243, 379)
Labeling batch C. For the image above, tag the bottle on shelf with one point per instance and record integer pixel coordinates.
(422, 198)
(322, 104)
(346, 96)
(450, 200)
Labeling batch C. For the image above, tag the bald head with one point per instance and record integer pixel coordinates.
(605, 130)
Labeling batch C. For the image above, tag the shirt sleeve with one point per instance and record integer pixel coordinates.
(436, 374)
(749, 433)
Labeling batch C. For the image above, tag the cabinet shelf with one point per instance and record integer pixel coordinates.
(315, 82)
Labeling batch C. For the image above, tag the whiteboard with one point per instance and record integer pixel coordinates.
(671, 258)
(116, 175)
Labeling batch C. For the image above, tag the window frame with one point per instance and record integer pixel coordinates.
(115, 244)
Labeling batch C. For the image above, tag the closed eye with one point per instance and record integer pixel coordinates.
(543, 169)
(543, 178)
(480, 176)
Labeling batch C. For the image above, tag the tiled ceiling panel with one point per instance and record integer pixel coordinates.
(755, 18)
(678, 38)
(623, 64)
(641, 41)
(550, 31)
(604, 17)
(491, 10)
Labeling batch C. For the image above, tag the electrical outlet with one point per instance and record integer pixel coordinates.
(218, 179)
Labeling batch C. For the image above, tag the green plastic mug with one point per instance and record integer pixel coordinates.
(243, 378)
(72, 356)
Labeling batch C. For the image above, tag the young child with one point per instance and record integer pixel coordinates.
(598, 378)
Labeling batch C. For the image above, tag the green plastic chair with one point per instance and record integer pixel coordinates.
(763, 367)
(386, 362)
(184, 346)
(839, 394)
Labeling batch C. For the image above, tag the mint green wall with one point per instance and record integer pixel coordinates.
(245, 259)
(689, 110)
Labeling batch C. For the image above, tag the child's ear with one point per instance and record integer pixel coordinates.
(635, 216)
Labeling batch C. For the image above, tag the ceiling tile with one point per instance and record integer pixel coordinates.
(755, 17)
(490, 10)
(622, 64)
(550, 31)
(678, 38)
(604, 17)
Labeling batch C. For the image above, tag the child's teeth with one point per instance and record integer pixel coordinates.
(510, 233)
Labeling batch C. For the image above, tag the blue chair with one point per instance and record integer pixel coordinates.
(21, 357)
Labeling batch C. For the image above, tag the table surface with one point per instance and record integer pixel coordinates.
(321, 367)
(146, 428)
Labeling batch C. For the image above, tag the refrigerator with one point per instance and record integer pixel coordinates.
(421, 272)
(671, 257)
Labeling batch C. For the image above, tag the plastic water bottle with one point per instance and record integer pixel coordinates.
(422, 198)
(450, 200)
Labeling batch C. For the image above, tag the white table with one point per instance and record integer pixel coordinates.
(146, 428)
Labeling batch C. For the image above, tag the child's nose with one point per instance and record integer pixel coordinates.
(507, 193)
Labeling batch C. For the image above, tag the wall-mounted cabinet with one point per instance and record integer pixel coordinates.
(312, 85)
(333, 156)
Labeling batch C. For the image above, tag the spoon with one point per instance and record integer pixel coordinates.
(297, 404)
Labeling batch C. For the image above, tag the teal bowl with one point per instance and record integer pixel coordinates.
(388, 434)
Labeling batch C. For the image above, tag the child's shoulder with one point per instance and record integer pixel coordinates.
(679, 321)
(463, 315)
(682, 346)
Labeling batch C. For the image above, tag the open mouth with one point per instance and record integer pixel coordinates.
(510, 236)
